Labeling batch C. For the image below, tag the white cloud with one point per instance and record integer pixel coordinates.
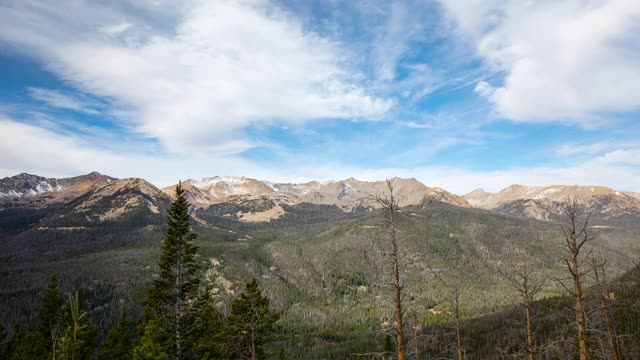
(58, 99)
(29, 148)
(484, 88)
(219, 68)
(45, 152)
(563, 60)
(594, 148)
(116, 28)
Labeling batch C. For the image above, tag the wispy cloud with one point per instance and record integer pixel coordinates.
(115, 29)
(60, 100)
(225, 65)
(46, 152)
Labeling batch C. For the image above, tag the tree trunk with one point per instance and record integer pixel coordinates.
(178, 310)
(529, 333)
(613, 341)
(396, 284)
(253, 344)
(75, 340)
(459, 339)
(582, 343)
(390, 204)
(576, 238)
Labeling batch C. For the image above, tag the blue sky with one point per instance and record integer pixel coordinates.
(459, 94)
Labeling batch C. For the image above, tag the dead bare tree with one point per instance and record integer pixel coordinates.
(576, 236)
(390, 206)
(528, 284)
(606, 301)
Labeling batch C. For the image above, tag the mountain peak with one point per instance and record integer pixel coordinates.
(38, 191)
(346, 194)
(541, 201)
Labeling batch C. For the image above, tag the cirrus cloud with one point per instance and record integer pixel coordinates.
(216, 69)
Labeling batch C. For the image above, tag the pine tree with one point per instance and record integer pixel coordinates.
(79, 338)
(50, 311)
(251, 323)
(149, 348)
(117, 345)
(170, 298)
(37, 341)
(15, 346)
(27, 345)
(209, 338)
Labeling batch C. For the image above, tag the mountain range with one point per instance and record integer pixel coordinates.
(100, 197)
(318, 248)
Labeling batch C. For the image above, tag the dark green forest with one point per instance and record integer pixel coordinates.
(314, 284)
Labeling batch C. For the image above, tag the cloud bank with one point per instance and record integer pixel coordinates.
(572, 61)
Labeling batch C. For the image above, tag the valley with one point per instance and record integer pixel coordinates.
(319, 250)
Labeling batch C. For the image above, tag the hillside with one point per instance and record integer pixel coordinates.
(321, 266)
(500, 335)
(322, 263)
(37, 191)
(543, 202)
(25, 199)
(348, 195)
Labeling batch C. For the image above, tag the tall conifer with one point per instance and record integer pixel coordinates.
(170, 298)
(50, 309)
(117, 345)
(251, 322)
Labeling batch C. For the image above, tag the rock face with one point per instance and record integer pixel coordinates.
(346, 194)
(544, 202)
(116, 200)
(36, 191)
(220, 189)
(351, 193)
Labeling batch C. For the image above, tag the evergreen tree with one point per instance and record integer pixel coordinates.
(50, 309)
(117, 345)
(210, 340)
(79, 337)
(14, 347)
(26, 345)
(149, 348)
(3, 341)
(37, 341)
(170, 298)
(250, 323)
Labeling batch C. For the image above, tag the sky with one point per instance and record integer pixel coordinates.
(459, 94)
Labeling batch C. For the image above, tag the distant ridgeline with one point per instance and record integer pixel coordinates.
(91, 253)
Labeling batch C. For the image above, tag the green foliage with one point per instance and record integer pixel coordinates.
(172, 294)
(26, 344)
(149, 348)
(78, 339)
(321, 268)
(209, 339)
(250, 324)
(37, 341)
(50, 310)
(117, 345)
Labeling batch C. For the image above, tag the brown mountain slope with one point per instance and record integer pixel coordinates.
(543, 202)
(346, 194)
(115, 200)
(26, 190)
